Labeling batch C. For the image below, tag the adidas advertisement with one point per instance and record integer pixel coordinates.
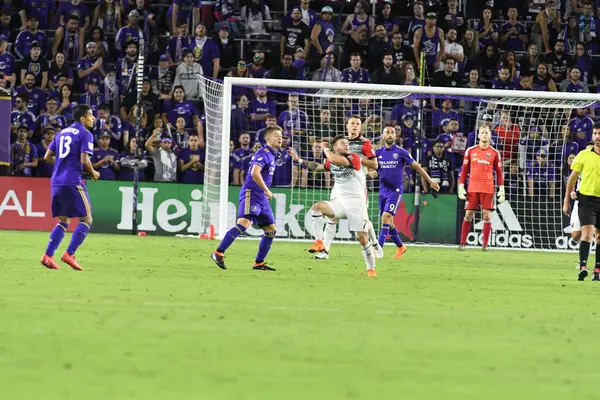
(506, 230)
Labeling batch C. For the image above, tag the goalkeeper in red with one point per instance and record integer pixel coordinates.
(479, 165)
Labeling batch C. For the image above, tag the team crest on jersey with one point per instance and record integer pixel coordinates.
(253, 208)
(488, 155)
(395, 156)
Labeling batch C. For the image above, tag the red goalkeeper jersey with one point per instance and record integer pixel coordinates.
(479, 165)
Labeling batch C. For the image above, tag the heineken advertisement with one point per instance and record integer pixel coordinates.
(169, 209)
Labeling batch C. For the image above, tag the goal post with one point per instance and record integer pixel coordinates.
(537, 131)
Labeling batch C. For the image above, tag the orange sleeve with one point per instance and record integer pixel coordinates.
(465, 168)
(368, 150)
(327, 165)
(355, 161)
(498, 167)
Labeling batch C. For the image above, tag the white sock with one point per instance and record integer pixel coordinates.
(330, 229)
(369, 256)
(317, 220)
(372, 235)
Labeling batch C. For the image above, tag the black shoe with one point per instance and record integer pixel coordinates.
(218, 259)
(596, 274)
(583, 273)
(262, 267)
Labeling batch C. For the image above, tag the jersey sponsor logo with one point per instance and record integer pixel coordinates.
(504, 225)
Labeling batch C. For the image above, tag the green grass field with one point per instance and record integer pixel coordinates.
(154, 318)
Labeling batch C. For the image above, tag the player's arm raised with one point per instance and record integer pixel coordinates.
(462, 193)
(311, 165)
(434, 185)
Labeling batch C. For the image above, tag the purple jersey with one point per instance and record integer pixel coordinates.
(8, 66)
(400, 110)
(257, 107)
(392, 162)
(266, 158)
(24, 40)
(283, 173)
(68, 146)
(107, 170)
(45, 120)
(503, 85)
(44, 170)
(66, 9)
(184, 109)
(92, 100)
(194, 174)
(541, 174)
(86, 63)
(184, 10)
(37, 99)
(441, 118)
(242, 158)
(295, 120)
(41, 9)
(22, 118)
(204, 54)
(581, 130)
(413, 25)
(360, 76)
(253, 201)
(22, 153)
(429, 46)
(514, 41)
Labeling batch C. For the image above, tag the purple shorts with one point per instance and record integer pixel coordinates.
(71, 202)
(389, 202)
(255, 207)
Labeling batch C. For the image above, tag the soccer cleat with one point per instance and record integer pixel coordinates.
(262, 267)
(70, 261)
(371, 273)
(485, 248)
(400, 251)
(583, 273)
(49, 262)
(317, 247)
(378, 250)
(596, 274)
(462, 247)
(219, 259)
(324, 255)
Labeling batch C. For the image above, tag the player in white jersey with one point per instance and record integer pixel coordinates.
(364, 148)
(348, 196)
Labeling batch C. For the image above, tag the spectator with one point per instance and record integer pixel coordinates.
(564, 146)
(23, 154)
(574, 84)
(186, 75)
(570, 34)
(541, 176)
(509, 134)
(90, 67)
(76, 8)
(447, 77)
(532, 142)
(44, 169)
(546, 27)
(109, 124)
(402, 109)
(256, 17)
(324, 129)
(454, 141)
(92, 96)
(503, 81)
(191, 162)
(182, 10)
(368, 111)
(42, 10)
(407, 74)
(400, 52)
(51, 119)
(451, 17)
(356, 74)
(36, 97)
(127, 71)
(390, 22)
(542, 81)
(440, 117)
(163, 77)
(378, 46)
(566, 169)
(585, 64)
(150, 101)
(227, 15)
(228, 51)
(294, 120)
(206, 52)
(105, 157)
(486, 119)
(130, 33)
(430, 41)
(308, 16)
(36, 65)
(58, 69)
(558, 62)
(312, 179)
(406, 133)
(165, 160)
(488, 30)
(470, 106)
(270, 121)
(286, 173)
(328, 72)
(179, 43)
(26, 39)
(529, 62)
(509, 61)
(128, 159)
(296, 34)
(300, 63)
(180, 135)
(513, 34)
(511, 180)
(97, 36)
(260, 109)
(358, 22)
(285, 69)
(488, 63)
(587, 27)
(130, 125)
(453, 50)
(239, 118)
(21, 115)
(69, 39)
(242, 156)
(323, 34)
(178, 106)
(439, 169)
(108, 15)
(387, 74)
(580, 128)
(8, 65)
(416, 22)
(471, 49)
(257, 69)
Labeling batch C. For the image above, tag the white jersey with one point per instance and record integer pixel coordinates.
(364, 148)
(350, 182)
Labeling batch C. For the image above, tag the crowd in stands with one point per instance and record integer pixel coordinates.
(54, 55)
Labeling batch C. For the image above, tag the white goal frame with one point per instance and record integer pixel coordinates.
(553, 100)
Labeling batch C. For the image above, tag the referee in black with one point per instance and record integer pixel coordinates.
(587, 164)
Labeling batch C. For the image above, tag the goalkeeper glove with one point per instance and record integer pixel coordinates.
(501, 195)
(462, 193)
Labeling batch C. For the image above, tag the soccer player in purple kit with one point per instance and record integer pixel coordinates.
(70, 153)
(391, 161)
(254, 202)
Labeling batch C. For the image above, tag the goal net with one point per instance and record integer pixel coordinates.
(537, 133)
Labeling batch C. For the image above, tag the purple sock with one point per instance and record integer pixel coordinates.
(395, 236)
(264, 246)
(78, 237)
(385, 229)
(230, 237)
(56, 236)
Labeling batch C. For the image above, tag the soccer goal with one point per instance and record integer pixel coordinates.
(537, 134)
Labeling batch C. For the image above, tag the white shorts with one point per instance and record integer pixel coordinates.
(575, 224)
(354, 211)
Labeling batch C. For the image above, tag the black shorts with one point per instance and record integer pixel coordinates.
(589, 210)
